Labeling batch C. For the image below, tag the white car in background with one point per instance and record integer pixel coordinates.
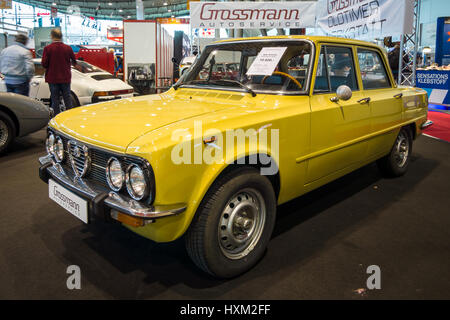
(186, 63)
(89, 85)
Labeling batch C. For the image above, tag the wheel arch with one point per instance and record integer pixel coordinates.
(76, 98)
(13, 117)
(412, 127)
(240, 162)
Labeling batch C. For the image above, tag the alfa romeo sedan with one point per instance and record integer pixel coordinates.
(211, 158)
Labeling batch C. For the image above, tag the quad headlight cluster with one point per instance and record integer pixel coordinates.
(134, 178)
(55, 147)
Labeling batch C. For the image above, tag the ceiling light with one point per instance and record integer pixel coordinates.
(109, 3)
(120, 10)
(169, 10)
(54, 3)
(165, 3)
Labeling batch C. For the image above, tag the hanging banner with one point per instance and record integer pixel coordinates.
(365, 19)
(253, 15)
(115, 34)
(54, 11)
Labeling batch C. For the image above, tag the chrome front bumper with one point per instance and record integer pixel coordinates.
(103, 202)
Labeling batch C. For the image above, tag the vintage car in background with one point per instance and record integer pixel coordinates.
(212, 158)
(89, 85)
(185, 64)
(19, 116)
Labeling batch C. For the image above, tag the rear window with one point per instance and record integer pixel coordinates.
(84, 67)
(373, 72)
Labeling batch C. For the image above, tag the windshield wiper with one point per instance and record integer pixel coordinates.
(243, 86)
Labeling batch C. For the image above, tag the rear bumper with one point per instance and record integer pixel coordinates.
(104, 203)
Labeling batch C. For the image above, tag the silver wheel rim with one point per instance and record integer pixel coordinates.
(401, 149)
(241, 223)
(3, 133)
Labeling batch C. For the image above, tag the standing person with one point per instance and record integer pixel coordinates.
(57, 60)
(17, 66)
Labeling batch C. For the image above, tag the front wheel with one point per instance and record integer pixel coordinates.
(7, 132)
(233, 224)
(396, 163)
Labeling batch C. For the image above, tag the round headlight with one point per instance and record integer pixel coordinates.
(58, 150)
(136, 182)
(114, 174)
(50, 144)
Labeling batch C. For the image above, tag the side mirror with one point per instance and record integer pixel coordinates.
(342, 93)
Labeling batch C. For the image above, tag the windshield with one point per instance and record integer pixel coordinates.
(84, 67)
(261, 66)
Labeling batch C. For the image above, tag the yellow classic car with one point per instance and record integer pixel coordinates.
(212, 157)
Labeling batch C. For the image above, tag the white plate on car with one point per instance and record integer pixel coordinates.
(68, 200)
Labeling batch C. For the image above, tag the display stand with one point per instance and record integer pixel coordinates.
(437, 85)
(147, 54)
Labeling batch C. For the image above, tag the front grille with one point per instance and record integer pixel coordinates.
(77, 158)
(97, 169)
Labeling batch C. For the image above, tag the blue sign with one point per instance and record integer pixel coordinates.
(443, 41)
(437, 85)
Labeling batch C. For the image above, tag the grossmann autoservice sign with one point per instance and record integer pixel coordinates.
(253, 15)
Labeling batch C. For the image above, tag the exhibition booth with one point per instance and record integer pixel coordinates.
(435, 78)
(208, 153)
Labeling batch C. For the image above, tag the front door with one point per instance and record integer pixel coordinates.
(336, 127)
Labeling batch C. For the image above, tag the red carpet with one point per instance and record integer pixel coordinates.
(440, 127)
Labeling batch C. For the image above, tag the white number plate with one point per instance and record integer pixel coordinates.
(68, 200)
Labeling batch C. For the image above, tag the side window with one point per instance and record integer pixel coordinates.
(39, 69)
(335, 68)
(373, 71)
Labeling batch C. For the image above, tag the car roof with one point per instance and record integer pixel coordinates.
(315, 39)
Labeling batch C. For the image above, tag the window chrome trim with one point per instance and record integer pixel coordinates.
(283, 93)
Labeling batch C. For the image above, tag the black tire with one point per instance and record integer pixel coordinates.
(394, 165)
(74, 99)
(7, 132)
(202, 240)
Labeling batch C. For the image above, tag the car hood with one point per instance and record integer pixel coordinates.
(116, 124)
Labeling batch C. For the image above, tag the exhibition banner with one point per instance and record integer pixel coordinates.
(365, 19)
(253, 15)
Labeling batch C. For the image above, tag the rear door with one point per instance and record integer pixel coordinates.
(385, 100)
(336, 126)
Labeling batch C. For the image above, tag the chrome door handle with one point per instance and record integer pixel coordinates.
(364, 100)
(398, 96)
(34, 84)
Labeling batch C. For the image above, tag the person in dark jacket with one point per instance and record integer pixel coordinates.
(57, 60)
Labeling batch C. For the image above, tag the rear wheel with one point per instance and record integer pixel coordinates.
(396, 163)
(233, 225)
(7, 132)
(73, 99)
